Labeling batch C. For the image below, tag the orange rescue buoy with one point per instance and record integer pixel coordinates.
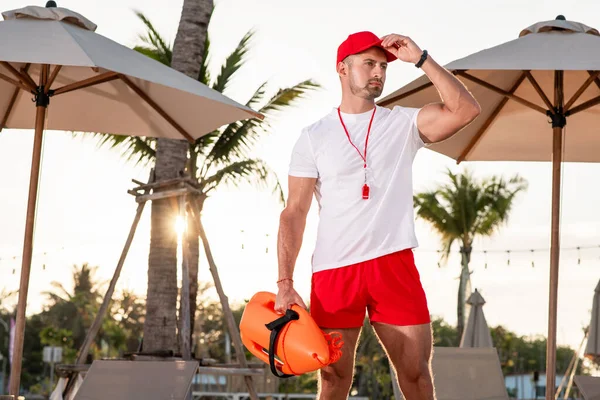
(293, 343)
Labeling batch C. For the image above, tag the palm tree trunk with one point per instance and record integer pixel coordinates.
(160, 324)
(465, 252)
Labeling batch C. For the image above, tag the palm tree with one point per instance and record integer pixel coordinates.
(74, 309)
(463, 209)
(222, 156)
(170, 162)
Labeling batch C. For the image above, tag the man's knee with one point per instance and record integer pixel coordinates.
(416, 373)
(335, 378)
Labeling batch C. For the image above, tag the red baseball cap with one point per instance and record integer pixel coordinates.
(359, 42)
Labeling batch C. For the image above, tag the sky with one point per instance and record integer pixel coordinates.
(84, 211)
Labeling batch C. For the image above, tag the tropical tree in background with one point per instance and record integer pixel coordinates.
(128, 313)
(220, 157)
(462, 209)
(170, 161)
(73, 310)
(518, 354)
(70, 313)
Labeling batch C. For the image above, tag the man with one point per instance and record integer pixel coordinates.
(358, 162)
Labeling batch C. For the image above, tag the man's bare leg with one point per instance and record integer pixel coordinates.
(335, 380)
(409, 349)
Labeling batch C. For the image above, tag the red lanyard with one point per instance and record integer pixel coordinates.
(365, 190)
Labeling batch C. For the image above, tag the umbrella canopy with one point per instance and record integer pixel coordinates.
(477, 332)
(508, 81)
(528, 89)
(82, 81)
(592, 350)
(92, 77)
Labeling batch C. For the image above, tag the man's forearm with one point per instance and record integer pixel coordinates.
(453, 92)
(289, 241)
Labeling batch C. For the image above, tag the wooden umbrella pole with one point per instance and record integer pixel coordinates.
(558, 124)
(17, 359)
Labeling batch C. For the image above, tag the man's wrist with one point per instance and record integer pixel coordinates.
(283, 282)
(424, 57)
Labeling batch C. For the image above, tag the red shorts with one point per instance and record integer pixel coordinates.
(388, 287)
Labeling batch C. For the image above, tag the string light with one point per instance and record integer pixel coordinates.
(43, 255)
(509, 253)
(267, 246)
(541, 250)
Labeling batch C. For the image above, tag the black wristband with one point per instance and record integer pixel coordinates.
(422, 60)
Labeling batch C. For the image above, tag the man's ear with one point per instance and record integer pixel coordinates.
(342, 68)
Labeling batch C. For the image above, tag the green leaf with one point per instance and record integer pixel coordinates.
(157, 48)
(466, 207)
(232, 63)
(252, 171)
(140, 150)
(238, 138)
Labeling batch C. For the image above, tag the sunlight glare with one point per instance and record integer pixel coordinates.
(180, 225)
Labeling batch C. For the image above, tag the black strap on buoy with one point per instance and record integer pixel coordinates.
(275, 327)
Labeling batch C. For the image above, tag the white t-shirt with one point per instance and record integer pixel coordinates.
(352, 229)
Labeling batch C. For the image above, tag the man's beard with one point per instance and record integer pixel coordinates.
(368, 92)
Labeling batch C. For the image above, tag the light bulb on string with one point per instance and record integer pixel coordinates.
(242, 231)
(578, 255)
(485, 258)
(439, 259)
(267, 246)
(508, 259)
(532, 263)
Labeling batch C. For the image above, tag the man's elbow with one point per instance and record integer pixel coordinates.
(471, 110)
(292, 213)
(455, 122)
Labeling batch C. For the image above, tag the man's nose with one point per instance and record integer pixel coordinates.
(378, 72)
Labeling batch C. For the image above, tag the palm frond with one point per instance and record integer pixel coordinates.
(232, 63)
(204, 75)
(431, 209)
(466, 207)
(64, 295)
(202, 145)
(258, 96)
(253, 171)
(140, 150)
(238, 137)
(285, 97)
(499, 200)
(162, 50)
(153, 54)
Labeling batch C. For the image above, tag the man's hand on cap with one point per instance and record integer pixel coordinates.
(402, 47)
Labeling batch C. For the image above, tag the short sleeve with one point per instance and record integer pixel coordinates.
(411, 114)
(302, 164)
